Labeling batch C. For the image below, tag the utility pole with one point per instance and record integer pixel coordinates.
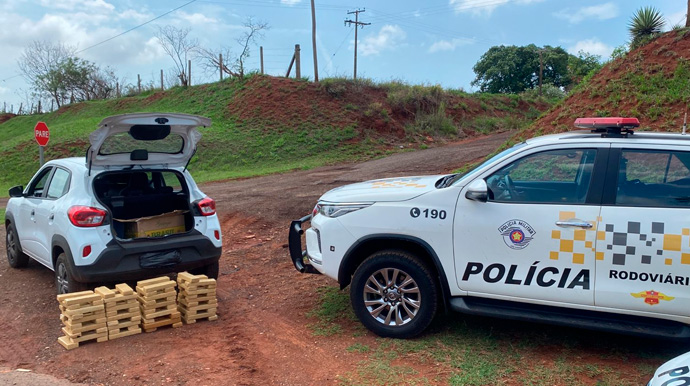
(357, 23)
(313, 41)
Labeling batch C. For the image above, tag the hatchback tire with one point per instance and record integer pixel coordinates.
(15, 257)
(64, 280)
(394, 294)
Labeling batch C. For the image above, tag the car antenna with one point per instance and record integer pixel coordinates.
(685, 121)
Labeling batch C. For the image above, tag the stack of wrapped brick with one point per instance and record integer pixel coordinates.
(157, 303)
(197, 297)
(121, 310)
(83, 318)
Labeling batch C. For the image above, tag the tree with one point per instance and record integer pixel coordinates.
(687, 16)
(179, 46)
(233, 65)
(39, 63)
(644, 25)
(513, 69)
(581, 65)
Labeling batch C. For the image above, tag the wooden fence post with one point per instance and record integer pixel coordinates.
(220, 66)
(162, 88)
(117, 89)
(298, 72)
(292, 61)
(261, 57)
(139, 83)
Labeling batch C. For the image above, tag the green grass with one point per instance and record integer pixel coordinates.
(2, 214)
(230, 148)
(253, 143)
(468, 350)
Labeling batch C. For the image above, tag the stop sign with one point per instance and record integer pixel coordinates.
(41, 133)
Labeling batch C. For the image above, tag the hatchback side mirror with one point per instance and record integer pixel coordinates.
(477, 191)
(17, 191)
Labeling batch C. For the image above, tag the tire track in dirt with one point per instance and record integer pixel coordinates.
(262, 335)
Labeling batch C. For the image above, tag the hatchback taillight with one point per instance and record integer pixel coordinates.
(86, 216)
(207, 206)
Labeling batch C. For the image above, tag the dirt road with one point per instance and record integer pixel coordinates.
(262, 335)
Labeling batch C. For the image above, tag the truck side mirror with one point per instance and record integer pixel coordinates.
(477, 191)
(17, 191)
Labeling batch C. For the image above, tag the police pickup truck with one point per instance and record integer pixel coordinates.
(587, 228)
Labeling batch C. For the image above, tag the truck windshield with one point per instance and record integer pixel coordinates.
(470, 173)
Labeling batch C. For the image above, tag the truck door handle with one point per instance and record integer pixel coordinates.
(575, 223)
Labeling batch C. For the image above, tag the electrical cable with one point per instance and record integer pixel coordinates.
(133, 28)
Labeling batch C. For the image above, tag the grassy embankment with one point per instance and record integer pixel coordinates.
(469, 350)
(256, 129)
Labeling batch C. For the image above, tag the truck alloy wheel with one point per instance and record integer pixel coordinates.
(393, 294)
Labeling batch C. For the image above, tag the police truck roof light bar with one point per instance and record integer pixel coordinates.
(609, 126)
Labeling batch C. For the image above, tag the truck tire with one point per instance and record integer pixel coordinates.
(64, 280)
(15, 257)
(394, 295)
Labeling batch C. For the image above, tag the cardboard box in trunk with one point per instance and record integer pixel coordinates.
(154, 226)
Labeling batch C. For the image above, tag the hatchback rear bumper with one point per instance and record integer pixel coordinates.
(140, 259)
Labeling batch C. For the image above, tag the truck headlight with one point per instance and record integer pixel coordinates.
(337, 210)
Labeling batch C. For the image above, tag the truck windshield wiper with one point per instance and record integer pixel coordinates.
(445, 181)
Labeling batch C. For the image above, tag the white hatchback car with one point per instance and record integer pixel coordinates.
(590, 229)
(129, 210)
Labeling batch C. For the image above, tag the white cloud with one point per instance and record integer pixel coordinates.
(482, 7)
(449, 45)
(134, 16)
(71, 5)
(592, 46)
(290, 2)
(675, 18)
(196, 18)
(604, 11)
(388, 38)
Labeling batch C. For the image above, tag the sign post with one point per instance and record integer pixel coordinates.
(42, 135)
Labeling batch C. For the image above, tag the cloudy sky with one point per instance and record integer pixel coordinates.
(433, 41)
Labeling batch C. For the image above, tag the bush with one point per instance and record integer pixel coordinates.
(415, 99)
(433, 123)
(549, 92)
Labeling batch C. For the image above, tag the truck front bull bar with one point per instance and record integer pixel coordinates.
(297, 254)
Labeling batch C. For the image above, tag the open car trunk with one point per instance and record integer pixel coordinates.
(145, 203)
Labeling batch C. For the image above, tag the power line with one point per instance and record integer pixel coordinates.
(323, 66)
(133, 28)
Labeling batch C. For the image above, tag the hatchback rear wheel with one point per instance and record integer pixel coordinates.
(64, 280)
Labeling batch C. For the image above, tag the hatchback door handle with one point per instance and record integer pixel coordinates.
(33, 212)
(578, 224)
(52, 216)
